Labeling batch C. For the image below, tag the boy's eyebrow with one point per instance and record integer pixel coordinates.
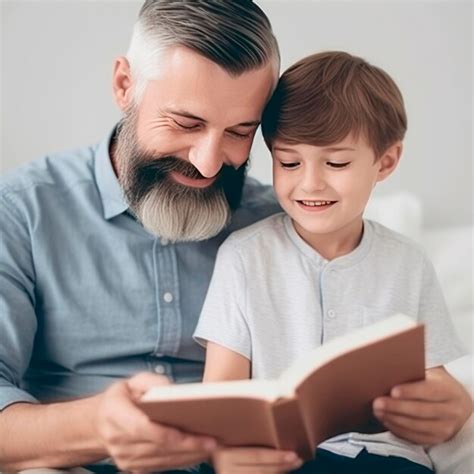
(183, 113)
(282, 148)
(328, 148)
(338, 148)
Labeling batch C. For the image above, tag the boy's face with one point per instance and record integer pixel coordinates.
(325, 189)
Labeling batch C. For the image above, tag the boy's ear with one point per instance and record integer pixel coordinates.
(122, 83)
(389, 160)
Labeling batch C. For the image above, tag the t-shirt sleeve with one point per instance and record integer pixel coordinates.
(442, 343)
(223, 318)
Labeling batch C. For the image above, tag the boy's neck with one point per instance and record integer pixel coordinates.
(334, 244)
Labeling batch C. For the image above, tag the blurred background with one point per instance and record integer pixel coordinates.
(57, 59)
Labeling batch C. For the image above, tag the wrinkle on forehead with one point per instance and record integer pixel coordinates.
(192, 83)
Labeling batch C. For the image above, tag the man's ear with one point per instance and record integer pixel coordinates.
(122, 83)
(389, 160)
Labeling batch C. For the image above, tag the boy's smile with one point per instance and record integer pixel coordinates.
(315, 206)
(325, 189)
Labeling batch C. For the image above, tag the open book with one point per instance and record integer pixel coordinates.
(327, 392)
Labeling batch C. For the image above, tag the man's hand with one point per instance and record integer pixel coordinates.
(138, 444)
(254, 460)
(428, 412)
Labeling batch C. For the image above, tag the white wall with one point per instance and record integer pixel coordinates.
(57, 59)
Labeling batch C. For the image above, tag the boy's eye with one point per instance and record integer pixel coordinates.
(290, 165)
(337, 165)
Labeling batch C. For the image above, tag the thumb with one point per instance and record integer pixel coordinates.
(142, 382)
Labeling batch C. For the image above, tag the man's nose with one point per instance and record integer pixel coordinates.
(207, 155)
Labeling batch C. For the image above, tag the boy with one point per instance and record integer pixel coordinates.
(293, 281)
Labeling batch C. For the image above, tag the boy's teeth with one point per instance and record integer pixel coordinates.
(316, 203)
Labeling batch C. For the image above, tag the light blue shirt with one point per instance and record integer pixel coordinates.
(87, 295)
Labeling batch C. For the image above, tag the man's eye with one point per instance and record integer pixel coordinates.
(293, 164)
(186, 126)
(241, 136)
(337, 165)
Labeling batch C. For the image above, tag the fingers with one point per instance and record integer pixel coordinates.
(431, 434)
(171, 440)
(134, 441)
(142, 382)
(251, 460)
(438, 386)
(408, 408)
(415, 424)
(141, 466)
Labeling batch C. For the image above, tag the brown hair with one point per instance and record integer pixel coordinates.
(326, 96)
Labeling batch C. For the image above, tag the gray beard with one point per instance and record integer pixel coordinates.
(165, 208)
(182, 216)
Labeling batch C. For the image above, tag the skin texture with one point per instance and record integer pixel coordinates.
(428, 412)
(205, 116)
(345, 174)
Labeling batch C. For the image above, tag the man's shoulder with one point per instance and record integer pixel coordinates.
(258, 202)
(257, 194)
(56, 172)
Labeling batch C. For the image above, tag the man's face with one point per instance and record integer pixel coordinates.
(181, 152)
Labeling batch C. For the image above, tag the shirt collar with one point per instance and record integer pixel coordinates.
(111, 192)
(344, 261)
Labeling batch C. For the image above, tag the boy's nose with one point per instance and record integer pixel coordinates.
(313, 182)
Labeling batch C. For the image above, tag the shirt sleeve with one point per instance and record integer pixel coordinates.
(442, 343)
(18, 322)
(223, 319)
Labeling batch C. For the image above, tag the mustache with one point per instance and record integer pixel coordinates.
(167, 164)
(148, 170)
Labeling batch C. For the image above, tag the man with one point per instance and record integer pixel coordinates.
(107, 251)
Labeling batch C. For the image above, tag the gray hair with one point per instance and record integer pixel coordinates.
(235, 34)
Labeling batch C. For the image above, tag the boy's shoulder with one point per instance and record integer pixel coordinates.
(390, 243)
(261, 231)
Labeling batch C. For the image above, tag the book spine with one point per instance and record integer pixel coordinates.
(290, 429)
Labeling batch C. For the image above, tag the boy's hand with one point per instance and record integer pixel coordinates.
(253, 460)
(428, 412)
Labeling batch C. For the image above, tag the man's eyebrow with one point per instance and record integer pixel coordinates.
(252, 123)
(183, 113)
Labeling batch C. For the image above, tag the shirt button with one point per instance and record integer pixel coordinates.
(331, 314)
(168, 297)
(164, 241)
(159, 369)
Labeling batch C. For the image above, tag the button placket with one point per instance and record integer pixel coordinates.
(159, 369)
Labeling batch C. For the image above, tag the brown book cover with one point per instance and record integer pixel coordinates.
(327, 392)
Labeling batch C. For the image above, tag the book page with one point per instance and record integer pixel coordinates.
(310, 362)
(259, 389)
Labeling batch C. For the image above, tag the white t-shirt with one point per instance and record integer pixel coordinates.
(272, 298)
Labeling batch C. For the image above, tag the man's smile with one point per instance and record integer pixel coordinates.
(191, 182)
